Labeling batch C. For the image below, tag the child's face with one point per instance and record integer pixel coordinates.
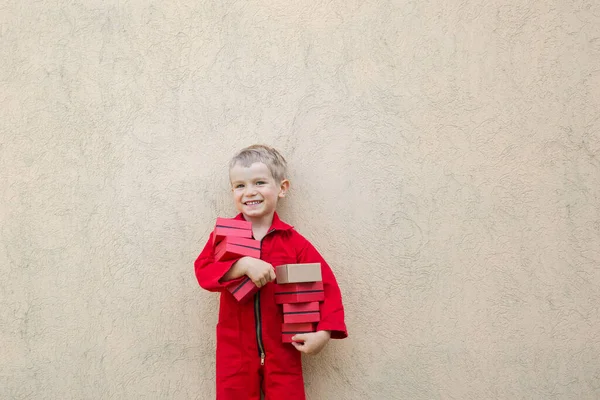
(255, 191)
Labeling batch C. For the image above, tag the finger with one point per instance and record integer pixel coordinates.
(299, 337)
(299, 346)
(272, 275)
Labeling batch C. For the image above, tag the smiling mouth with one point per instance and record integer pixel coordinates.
(252, 203)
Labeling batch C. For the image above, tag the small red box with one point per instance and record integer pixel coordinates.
(242, 289)
(299, 292)
(289, 330)
(234, 223)
(301, 312)
(231, 227)
(233, 247)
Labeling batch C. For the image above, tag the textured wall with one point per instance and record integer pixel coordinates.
(444, 157)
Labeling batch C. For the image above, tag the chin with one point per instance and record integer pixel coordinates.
(253, 213)
(256, 213)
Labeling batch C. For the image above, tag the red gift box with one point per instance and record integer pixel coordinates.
(299, 292)
(301, 312)
(231, 227)
(241, 289)
(233, 247)
(289, 330)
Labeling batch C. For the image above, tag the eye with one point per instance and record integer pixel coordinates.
(239, 186)
(261, 182)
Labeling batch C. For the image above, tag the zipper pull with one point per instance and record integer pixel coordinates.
(262, 358)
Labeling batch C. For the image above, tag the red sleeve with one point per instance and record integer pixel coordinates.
(208, 271)
(332, 309)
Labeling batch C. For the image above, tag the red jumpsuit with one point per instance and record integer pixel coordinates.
(250, 352)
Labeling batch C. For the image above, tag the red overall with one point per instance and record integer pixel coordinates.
(249, 333)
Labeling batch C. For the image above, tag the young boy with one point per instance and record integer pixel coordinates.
(250, 353)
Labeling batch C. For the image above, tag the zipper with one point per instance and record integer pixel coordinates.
(257, 318)
(261, 349)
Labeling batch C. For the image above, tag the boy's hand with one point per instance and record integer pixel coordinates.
(259, 271)
(313, 342)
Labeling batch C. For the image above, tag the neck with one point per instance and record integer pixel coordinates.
(260, 226)
(262, 223)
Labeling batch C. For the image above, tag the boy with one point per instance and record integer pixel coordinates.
(250, 353)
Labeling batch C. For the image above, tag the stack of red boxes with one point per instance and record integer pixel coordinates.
(299, 289)
(232, 239)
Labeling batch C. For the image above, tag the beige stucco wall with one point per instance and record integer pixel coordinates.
(444, 158)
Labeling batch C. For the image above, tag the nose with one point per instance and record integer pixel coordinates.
(250, 190)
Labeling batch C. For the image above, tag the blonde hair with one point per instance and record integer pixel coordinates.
(264, 154)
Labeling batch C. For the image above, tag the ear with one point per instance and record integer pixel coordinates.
(284, 187)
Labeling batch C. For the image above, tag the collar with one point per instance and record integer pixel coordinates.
(277, 223)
